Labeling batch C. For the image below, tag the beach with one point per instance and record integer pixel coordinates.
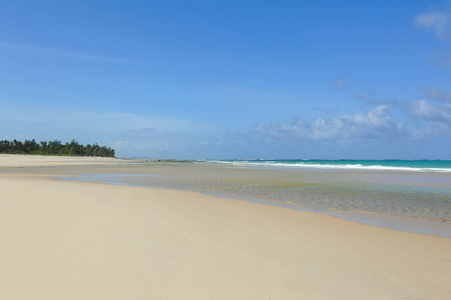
(71, 239)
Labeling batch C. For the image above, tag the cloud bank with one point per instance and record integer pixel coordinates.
(434, 114)
(376, 124)
(382, 129)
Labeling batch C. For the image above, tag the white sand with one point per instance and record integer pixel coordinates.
(19, 160)
(73, 240)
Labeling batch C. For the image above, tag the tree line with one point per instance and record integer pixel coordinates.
(54, 148)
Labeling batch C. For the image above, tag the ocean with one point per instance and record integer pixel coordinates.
(419, 165)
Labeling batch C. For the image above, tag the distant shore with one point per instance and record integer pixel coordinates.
(71, 239)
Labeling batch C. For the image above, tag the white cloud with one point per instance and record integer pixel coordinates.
(376, 124)
(438, 114)
(432, 120)
(436, 21)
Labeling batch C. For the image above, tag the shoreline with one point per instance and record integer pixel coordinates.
(111, 171)
(63, 239)
(401, 223)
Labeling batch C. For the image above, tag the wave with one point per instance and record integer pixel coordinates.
(309, 164)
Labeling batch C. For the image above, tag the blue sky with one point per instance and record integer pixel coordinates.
(230, 79)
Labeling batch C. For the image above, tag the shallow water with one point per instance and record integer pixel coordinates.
(419, 196)
(319, 194)
(366, 196)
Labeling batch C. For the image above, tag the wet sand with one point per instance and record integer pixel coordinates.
(413, 201)
(78, 240)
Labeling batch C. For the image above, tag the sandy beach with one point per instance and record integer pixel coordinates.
(20, 160)
(80, 240)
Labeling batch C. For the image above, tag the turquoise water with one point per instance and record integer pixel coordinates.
(396, 165)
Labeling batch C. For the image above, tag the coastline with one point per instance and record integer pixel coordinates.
(413, 201)
(64, 239)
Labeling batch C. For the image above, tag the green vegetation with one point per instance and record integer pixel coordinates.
(54, 148)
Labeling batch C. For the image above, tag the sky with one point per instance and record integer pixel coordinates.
(230, 79)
